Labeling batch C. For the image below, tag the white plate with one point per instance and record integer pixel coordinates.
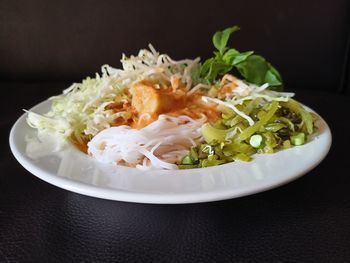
(72, 170)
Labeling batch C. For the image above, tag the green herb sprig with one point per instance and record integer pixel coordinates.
(253, 68)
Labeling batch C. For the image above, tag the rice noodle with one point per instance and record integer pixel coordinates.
(158, 145)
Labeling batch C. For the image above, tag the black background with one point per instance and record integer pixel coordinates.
(68, 40)
(45, 45)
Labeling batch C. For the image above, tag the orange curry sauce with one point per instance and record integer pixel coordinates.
(148, 101)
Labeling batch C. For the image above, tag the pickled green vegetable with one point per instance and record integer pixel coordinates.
(298, 139)
(277, 125)
(212, 134)
(307, 120)
(254, 128)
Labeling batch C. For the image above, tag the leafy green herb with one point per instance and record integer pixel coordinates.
(253, 68)
(220, 38)
(233, 57)
(257, 70)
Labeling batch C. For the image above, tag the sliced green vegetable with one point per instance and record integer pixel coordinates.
(188, 166)
(286, 144)
(212, 134)
(242, 147)
(254, 128)
(242, 157)
(306, 116)
(194, 154)
(274, 127)
(286, 121)
(270, 142)
(212, 160)
(187, 160)
(298, 139)
(277, 126)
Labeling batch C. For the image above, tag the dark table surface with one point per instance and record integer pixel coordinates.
(307, 220)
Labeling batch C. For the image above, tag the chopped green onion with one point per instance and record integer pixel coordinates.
(187, 160)
(298, 139)
(194, 154)
(255, 140)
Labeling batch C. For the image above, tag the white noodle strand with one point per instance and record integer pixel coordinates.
(157, 145)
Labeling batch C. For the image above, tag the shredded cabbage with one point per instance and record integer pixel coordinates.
(82, 111)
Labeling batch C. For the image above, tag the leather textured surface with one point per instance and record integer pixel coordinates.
(68, 40)
(307, 220)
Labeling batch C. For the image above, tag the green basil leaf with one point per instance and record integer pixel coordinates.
(217, 68)
(220, 38)
(241, 57)
(273, 77)
(253, 69)
(217, 54)
(230, 55)
(233, 57)
(206, 67)
(257, 70)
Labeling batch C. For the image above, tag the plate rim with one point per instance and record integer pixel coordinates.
(153, 198)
